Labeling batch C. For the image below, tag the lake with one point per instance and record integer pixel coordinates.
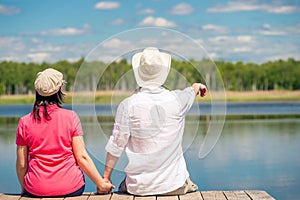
(258, 148)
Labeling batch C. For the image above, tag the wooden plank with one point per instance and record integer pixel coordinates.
(204, 195)
(213, 195)
(52, 198)
(120, 196)
(240, 195)
(191, 196)
(145, 198)
(28, 198)
(100, 197)
(258, 194)
(10, 197)
(167, 198)
(84, 196)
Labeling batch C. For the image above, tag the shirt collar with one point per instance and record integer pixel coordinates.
(155, 90)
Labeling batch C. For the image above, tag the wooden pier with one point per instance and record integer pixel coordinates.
(202, 195)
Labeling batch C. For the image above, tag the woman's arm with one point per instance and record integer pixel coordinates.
(87, 165)
(21, 164)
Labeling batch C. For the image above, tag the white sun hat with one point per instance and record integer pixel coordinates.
(151, 67)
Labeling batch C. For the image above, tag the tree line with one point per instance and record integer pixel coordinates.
(18, 78)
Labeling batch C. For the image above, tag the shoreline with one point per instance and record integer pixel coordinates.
(116, 96)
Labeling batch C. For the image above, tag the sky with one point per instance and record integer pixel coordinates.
(231, 30)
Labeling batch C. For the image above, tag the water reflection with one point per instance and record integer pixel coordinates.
(252, 153)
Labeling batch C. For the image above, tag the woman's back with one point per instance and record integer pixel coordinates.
(52, 168)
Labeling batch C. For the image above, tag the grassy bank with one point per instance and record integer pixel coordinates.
(116, 96)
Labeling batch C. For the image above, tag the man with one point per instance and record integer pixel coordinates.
(149, 126)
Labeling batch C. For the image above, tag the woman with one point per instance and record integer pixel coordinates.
(50, 147)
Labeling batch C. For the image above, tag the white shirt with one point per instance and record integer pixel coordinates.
(149, 125)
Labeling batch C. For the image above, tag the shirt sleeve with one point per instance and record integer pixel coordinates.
(77, 129)
(185, 98)
(120, 133)
(20, 134)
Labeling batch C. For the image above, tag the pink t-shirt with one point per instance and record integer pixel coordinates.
(52, 168)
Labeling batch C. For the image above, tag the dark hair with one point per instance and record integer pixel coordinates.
(56, 98)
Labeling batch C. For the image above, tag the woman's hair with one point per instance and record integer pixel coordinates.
(44, 101)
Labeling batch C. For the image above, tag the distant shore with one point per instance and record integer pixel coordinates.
(117, 96)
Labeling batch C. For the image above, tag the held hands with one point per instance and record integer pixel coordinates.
(105, 187)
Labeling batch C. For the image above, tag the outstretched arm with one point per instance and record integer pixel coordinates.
(87, 165)
(199, 88)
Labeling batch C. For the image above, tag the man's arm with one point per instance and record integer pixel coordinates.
(109, 166)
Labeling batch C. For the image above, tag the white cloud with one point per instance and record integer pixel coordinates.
(282, 9)
(271, 32)
(287, 30)
(12, 48)
(11, 43)
(107, 5)
(115, 43)
(117, 22)
(248, 48)
(67, 31)
(232, 47)
(245, 38)
(38, 57)
(24, 49)
(35, 40)
(227, 41)
(41, 46)
(146, 11)
(182, 9)
(244, 48)
(253, 5)
(159, 22)
(9, 10)
(214, 28)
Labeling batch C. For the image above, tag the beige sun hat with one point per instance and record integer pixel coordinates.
(48, 82)
(151, 67)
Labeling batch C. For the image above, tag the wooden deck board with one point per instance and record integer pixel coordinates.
(51, 198)
(203, 195)
(145, 198)
(27, 198)
(167, 197)
(100, 197)
(213, 195)
(258, 194)
(240, 195)
(10, 197)
(117, 196)
(189, 196)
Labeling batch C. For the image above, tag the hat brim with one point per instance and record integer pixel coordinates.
(158, 81)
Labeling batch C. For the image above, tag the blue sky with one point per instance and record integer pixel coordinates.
(231, 30)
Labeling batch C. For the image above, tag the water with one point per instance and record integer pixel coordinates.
(259, 150)
(252, 108)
